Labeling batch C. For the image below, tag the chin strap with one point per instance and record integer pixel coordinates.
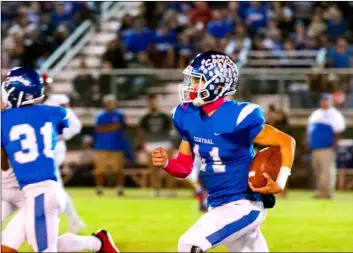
(207, 108)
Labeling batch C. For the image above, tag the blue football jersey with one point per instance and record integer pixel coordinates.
(29, 136)
(224, 141)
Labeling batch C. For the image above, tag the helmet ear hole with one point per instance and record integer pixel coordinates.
(204, 93)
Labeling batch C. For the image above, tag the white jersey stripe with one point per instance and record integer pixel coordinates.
(245, 112)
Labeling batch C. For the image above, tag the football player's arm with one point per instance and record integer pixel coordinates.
(5, 165)
(270, 136)
(179, 167)
(75, 125)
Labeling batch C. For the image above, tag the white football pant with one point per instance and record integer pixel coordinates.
(44, 202)
(235, 225)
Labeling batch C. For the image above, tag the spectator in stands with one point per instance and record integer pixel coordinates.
(311, 44)
(86, 12)
(283, 14)
(316, 27)
(109, 145)
(174, 23)
(59, 16)
(82, 86)
(218, 27)
(207, 43)
(126, 24)
(140, 38)
(33, 49)
(60, 35)
(303, 10)
(105, 79)
(271, 115)
(238, 40)
(184, 50)
(341, 55)
(256, 17)
(137, 84)
(13, 48)
(200, 15)
(299, 36)
(165, 41)
(153, 132)
(114, 55)
(232, 17)
(325, 126)
(272, 31)
(33, 12)
(336, 25)
(47, 30)
(22, 25)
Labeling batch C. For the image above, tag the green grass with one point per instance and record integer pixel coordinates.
(141, 224)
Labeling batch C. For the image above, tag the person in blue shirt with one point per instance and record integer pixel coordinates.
(256, 17)
(325, 126)
(336, 25)
(221, 133)
(184, 49)
(218, 26)
(341, 56)
(109, 144)
(29, 133)
(59, 16)
(140, 38)
(165, 41)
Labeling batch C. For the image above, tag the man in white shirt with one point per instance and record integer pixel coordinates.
(324, 128)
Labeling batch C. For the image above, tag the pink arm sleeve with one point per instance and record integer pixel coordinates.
(180, 167)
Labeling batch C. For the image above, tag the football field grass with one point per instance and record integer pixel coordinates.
(139, 223)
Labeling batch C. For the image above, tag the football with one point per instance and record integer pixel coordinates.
(267, 160)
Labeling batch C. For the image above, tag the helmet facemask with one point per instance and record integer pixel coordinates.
(193, 89)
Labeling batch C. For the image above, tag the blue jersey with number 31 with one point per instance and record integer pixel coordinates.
(224, 141)
(29, 136)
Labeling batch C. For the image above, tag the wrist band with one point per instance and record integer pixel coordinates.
(283, 176)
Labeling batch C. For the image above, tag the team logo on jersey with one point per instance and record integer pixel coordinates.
(203, 140)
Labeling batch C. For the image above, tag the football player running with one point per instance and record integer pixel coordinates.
(29, 133)
(222, 132)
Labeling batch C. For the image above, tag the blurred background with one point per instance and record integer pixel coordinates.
(288, 54)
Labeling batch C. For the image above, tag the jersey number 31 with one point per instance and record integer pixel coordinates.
(29, 142)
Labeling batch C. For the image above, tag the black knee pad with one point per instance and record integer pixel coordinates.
(196, 249)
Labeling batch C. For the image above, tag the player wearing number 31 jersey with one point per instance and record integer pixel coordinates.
(29, 132)
(222, 132)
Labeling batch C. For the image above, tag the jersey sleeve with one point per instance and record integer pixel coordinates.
(251, 118)
(75, 125)
(63, 120)
(177, 122)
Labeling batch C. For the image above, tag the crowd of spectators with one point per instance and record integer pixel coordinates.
(171, 33)
(31, 31)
